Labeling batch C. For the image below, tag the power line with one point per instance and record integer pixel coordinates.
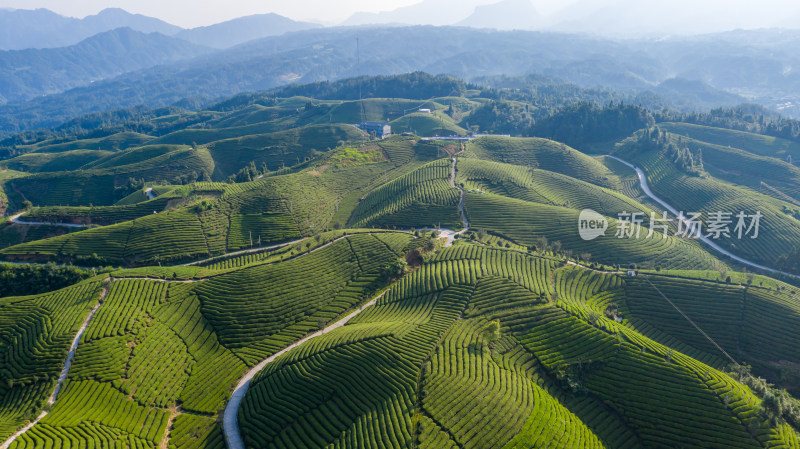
(693, 323)
(360, 80)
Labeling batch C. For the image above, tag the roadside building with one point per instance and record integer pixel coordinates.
(380, 130)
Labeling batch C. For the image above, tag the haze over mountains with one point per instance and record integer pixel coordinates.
(619, 18)
(42, 28)
(236, 31)
(35, 72)
(153, 63)
(23, 29)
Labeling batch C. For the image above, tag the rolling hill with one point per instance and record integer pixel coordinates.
(260, 273)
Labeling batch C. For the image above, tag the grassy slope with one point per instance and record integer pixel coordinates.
(376, 109)
(544, 154)
(422, 198)
(750, 170)
(276, 150)
(434, 124)
(419, 366)
(525, 223)
(779, 231)
(392, 368)
(754, 143)
(52, 162)
(153, 343)
(272, 209)
(115, 142)
(95, 184)
(542, 186)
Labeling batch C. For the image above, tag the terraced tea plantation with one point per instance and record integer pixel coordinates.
(261, 273)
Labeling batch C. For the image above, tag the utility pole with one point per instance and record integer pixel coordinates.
(358, 69)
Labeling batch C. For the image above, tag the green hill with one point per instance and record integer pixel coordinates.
(52, 162)
(276, 150)
(108, 179)
(747, 169)
(422, 198)
(527, 223)
(457, 345)
(207, 219)
(541, 186)
(114, 142)
(754, 143)
(422, 124)
(185, 347)
(266, 236)
(474, 334)
(376, 109)
(779, 228)
(544, 154)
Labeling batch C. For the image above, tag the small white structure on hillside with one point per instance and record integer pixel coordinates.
(379, 129)
(425, 111)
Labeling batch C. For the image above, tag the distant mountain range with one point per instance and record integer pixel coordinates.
(244, 29)
(42, 28)
(26, 74)
(426, 12)
(505, 15)
(619, 18)
(632, 67)
(43, 53)
(124, 68)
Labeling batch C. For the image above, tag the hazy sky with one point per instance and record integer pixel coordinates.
(680, 16)
(191, 13)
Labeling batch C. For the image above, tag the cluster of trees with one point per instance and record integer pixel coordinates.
(653, 139)
(129, 187)
(416, 86)
(747, 117)
(585, 122)
(546, 94)
(249, 173)
(776, 404)
(139, 119)
(574, 124)
(789, 262)
(17, 280)
(501, 117)
(685, 159)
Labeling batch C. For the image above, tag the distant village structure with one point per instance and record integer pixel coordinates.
(381, 130)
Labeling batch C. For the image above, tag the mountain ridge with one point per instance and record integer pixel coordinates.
(41, 28)
(26, 74)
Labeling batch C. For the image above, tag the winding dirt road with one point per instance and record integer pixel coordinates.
(646, 188)
(64, 371)
(230, 418)
(448, 234)
(15, 219)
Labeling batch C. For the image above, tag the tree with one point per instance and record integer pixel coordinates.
(773, 406)
(394, 270)
(26, 205)
(491, 332)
